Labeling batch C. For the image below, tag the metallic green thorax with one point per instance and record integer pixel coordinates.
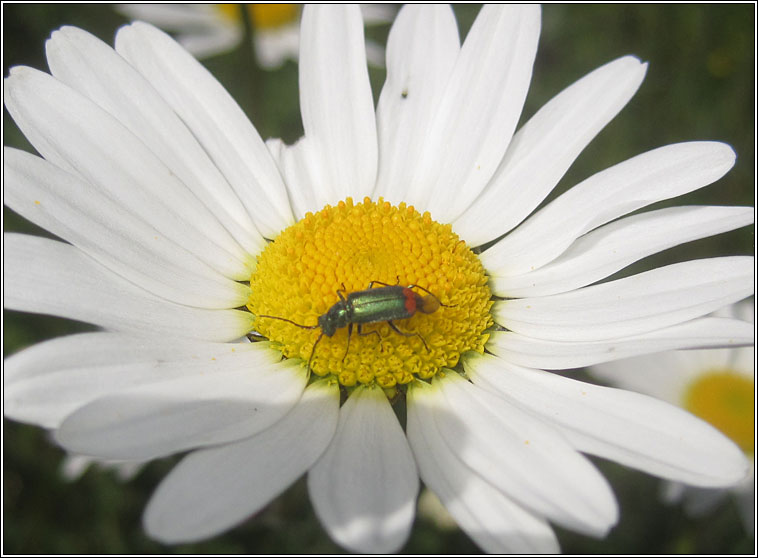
(369, 306)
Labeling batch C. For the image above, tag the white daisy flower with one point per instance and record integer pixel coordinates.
(718, 385)
(185, 233)
(209, 29)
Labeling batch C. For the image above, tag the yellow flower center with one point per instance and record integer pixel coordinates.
(322, 262)
(726, 400)
(263, 16)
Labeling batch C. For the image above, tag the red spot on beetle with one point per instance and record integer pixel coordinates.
(410, 300)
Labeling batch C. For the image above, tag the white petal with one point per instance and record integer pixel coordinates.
(477, 115)
(274, 46)
(336, 101)
(491, 519)
(70, 208)
(662, 375)
(633, 305)
(556, 355)
(657, 175)
(224, 402)
(74, 466)
(94, 69)
(173, 17)
(545, 147)
(612, 247)
(744, 310)
(75, 134)
(693, 363)
(217, 39)
(49, 277)
(522, 456)
(216, 121)
(48, 381)
(668, 375)
(364, 487)
(422, 49)
(299, 163)
(743, 361)
(627, 427)
(214, 489)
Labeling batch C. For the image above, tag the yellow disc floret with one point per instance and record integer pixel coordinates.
(344, 248)
(263, 16)
(726, 400)
(271, 16)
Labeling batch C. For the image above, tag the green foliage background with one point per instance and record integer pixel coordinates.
(699, 85)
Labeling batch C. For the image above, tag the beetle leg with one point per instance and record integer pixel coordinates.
(349, 333)
(374, 332)
(339, 292)
(371, 285)
(406, 334)
(313, 350)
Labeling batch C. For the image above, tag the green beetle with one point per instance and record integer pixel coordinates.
(372, 305)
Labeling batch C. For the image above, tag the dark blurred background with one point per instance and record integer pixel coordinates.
(699, 86)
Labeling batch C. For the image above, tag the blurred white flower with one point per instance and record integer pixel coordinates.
(718, 385)
(74, 466)
(206, 30)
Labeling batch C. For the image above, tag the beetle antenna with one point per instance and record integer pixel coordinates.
(430, 293)
(286, 320)
(313, 350)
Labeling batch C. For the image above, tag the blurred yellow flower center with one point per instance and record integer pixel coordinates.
(726, 400)
(343, 249)
(263, 16)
